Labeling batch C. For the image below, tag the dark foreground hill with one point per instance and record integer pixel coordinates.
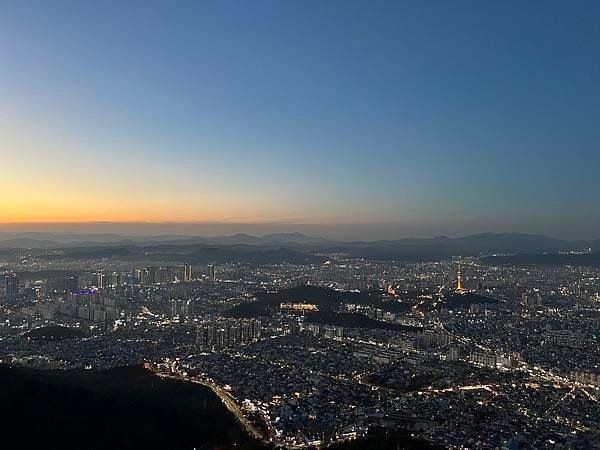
(124, 408)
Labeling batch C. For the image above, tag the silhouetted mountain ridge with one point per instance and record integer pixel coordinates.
(290, 247)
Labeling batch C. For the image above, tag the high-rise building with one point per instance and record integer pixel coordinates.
(12, 286)
(115, 279)
(147, 275)
(176, 307)
(228, 333)
(161, 275)
(185, 273)
(138, 275)
(212, 273)
(101, 280)
(453, 353)
(190, 311)
(532, 298)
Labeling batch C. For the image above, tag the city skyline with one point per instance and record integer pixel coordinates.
(341, 118)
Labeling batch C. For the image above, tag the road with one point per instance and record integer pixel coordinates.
(225, 397)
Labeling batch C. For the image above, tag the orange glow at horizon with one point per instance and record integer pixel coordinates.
(56, 213)
(49, 207)
(55, 208)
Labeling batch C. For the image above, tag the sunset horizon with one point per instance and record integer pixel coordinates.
(300, 224)
(353, 114)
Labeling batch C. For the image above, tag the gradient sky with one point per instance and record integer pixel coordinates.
(429, 117)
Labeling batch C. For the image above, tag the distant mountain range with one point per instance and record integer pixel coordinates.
(482, 242)
(37, 240)
(472, 245)
(295, 248)
(192, 254)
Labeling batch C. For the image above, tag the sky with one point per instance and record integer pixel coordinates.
(379, 119)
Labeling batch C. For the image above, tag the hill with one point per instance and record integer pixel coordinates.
(124, 408)
(354, 320)
(192, 254)
(53, 333)
(89, 253)
(443, 247)
(325, 298)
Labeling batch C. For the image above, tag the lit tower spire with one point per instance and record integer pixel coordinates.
(459, 287)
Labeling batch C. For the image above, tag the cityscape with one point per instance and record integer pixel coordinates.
(299, 225)
(462, 352)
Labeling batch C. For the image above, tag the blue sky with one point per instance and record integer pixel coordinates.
(459, 116)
